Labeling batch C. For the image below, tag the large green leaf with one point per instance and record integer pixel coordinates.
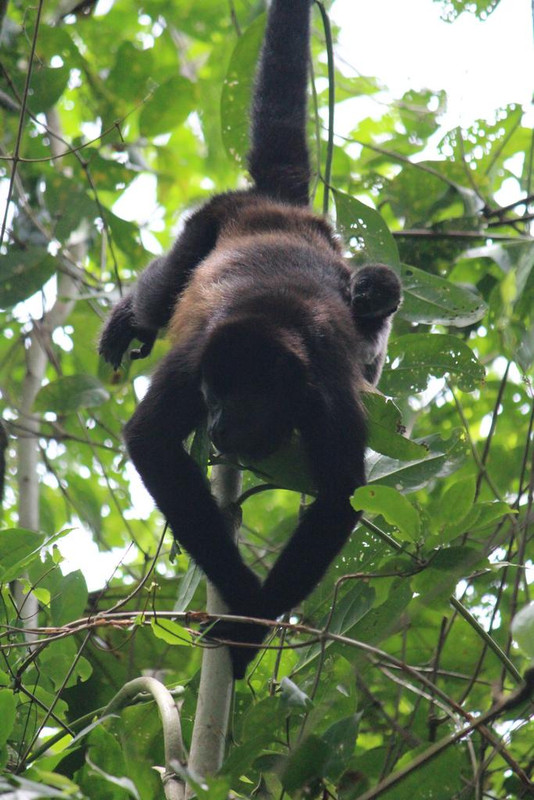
(365, 231)
(436, 301)
(18, 547)
(23, 273)
(168, 106)
(237, 91)
(385, 429)
(392, 505)
(443, 458)
(306, 763)
(71, 393)
(418, 357)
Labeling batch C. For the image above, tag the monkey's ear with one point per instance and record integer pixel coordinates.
(375, 291)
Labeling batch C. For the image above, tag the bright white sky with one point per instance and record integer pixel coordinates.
(481, 65)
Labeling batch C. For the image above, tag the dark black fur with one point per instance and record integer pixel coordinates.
(272, 331)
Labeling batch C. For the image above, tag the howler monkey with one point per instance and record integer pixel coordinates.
(271, 331)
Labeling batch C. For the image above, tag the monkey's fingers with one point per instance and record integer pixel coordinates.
(144, 350)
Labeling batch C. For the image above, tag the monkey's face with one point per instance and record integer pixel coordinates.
(249, 421)
(252, 390)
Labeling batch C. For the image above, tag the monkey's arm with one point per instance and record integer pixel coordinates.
(376, 294)
(333, 430)
(149, 306)
(172, 407)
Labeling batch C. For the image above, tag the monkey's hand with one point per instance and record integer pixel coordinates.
(246, 632)
(119, 331)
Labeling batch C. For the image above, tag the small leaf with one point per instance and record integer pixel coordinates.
(392, 505)
(170, 631)
(341, 738)
(71, 393)
(490, 512)
(288, 468)
(71, 601)
(384, 426)
(126, 784)
(48, 84)
(523, 629)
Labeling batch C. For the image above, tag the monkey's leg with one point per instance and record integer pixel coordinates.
(333, 429)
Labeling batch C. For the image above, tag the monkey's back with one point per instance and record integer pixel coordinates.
(270, 259)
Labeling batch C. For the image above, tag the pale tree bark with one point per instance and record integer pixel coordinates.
(210, 731)
(37, 353)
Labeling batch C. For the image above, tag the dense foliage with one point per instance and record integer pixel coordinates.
(408, 640)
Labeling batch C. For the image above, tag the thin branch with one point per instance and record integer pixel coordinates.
(331, 105)
(20, 128)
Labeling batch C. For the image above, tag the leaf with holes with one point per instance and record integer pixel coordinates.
(432, 300)
(417, 357)
(365, 230)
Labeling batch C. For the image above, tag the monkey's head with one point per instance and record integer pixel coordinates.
(253, 383)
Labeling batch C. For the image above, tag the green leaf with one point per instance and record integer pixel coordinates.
(416, 194)
(288, 468)
(444, 457)
(71, 602)
(457, 501)
(23, 273)
(365, 230)
(447, 567)
(383, 621)
(85, 499)
(187, 586)
(305, 763)
(237, 91)
(434, 301)
(385, 429)
(349, 610)
(340, 739)
(490, 512)
(417, 357)
(132, 71)
(392, 505)
(8, 710)
(523, 629)
(168, 107)
(126, 784)
(18, 548)
(47, 86)
(69, 394)
(68, 204)
(170, 631)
